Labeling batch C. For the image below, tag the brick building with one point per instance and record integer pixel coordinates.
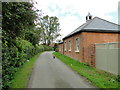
(60, 47)
(80, 44)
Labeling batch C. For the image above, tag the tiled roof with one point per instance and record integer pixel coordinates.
(96, 25)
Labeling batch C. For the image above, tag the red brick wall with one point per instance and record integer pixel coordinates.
(72, 53)
(87, 45)
(90, 38)
(60, 46)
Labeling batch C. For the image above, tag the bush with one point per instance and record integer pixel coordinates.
(56, 47)
(10, 62)
(15, 56)
(41, 47)
(47, 48)
(25, 47)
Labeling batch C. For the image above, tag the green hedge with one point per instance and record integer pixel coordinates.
(15, 56)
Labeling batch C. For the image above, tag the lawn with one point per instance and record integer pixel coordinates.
(23, 74)
(98, 78)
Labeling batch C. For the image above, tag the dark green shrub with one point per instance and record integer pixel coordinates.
(15, 56)
(47, 48)
(56, 47)
(9, 64)
(25, 47)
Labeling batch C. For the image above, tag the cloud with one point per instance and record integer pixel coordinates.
(72, 13)
(69, 23)
(119, 13)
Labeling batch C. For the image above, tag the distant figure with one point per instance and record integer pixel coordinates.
(53, 56)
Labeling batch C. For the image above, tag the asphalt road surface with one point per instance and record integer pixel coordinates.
(52, 73)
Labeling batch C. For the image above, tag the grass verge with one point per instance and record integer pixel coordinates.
(22, 75)
(99, 78)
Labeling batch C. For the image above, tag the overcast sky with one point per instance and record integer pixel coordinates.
(72, 13)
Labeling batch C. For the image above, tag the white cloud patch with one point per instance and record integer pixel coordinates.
(68, 24)
(71, 13)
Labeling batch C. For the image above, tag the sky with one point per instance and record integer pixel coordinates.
(72, 13)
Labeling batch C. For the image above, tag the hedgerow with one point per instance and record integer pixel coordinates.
(20, 38)
(14, 57)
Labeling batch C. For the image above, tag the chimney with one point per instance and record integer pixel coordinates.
(88, 17)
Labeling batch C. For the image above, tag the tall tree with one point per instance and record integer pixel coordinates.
(50, 29)
(17, 23)
(18, 17)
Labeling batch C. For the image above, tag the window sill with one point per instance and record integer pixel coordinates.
(77, 51)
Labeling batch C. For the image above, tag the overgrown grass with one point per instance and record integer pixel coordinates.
(99, 78)
(22, 76)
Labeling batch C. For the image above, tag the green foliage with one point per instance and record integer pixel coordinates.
(16, 56)
(17, 16)
(99, 78)
(47, 48)
(8, 64)
(56, 47)
(20, 38)
(50, 29)
(25, 47)
(22, 44)
(33, 36)
(23, 74)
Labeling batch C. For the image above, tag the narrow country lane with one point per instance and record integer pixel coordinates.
(52, 73)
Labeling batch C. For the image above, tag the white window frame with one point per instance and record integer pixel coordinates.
(69, 45)
(65, 46)
(77, 44)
